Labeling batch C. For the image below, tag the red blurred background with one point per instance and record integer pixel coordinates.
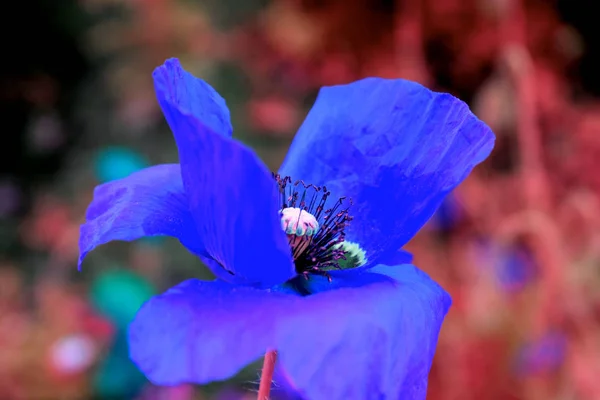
(517, 245)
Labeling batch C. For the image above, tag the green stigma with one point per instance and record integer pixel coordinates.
(355, 255)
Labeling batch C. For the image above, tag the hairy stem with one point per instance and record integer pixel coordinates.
(266, 379)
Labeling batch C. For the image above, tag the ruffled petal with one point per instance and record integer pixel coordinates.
(395, 148)
(367, 335)
(233, 198)
(204, 331)
(146, 203)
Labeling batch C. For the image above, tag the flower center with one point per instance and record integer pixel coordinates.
(316, 233)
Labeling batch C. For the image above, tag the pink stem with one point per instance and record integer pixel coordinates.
(266, 379)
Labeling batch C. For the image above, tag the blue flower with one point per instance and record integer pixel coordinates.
(367, 331)
(513, 265)
(545, 354)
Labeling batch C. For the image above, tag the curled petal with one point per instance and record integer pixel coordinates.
(197, 98)
(392, 146)
(232, 196)
(149, 202)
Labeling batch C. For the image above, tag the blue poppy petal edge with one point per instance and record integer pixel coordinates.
(149, 202)
(193, 96)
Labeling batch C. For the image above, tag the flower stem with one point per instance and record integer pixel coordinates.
(266, 379)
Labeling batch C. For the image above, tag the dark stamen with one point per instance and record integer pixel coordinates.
(322, 251)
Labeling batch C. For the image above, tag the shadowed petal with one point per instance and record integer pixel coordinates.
(392, 146)
(368, 336)
(233, 198)
(146, 203)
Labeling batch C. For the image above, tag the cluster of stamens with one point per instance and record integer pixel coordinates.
(314, 232)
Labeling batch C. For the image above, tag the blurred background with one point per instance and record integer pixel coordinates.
(517, 245)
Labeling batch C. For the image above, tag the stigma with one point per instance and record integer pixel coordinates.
(300, 226)
(298, 222)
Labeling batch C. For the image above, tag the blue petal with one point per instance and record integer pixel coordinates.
(193, 96)
(146, 203)
(204, 331)
(369, 336)
(233, 198)
(392, 146)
